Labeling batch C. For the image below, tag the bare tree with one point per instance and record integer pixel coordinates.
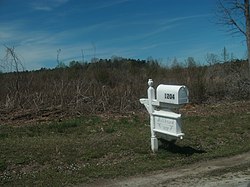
(12, 62)
(211, 58)
(236, 16)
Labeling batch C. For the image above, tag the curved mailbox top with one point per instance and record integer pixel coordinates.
(172, 94)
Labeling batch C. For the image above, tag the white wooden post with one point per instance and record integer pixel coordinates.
(151, 97)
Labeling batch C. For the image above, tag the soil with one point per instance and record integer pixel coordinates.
(222, 172)
(30, 116)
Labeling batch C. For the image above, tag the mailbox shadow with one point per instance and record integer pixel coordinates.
(185, 150)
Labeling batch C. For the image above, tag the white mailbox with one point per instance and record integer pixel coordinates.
(172, 94)
(165, 123)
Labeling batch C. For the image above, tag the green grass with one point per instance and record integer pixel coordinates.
(81, 150)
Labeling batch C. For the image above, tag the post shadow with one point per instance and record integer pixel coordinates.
(176, 149)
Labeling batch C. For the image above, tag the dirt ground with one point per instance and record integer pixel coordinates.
(222, 172)
(21, 117)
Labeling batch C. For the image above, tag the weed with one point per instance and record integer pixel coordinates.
(3, 136)
(3, 165)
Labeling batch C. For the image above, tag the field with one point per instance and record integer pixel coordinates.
(89, 148)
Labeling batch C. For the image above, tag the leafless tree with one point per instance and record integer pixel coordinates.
(12, 62)
(57, 56)
(236, 16)
(211, 58)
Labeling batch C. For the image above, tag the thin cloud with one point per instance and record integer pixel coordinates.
(43, 8)
(39, 47)
(47, 5)
(155, 27)
(183, 18)
(108, 4)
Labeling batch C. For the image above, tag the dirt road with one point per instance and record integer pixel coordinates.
(223, 172)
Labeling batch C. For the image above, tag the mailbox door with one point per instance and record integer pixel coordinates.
(183, 95)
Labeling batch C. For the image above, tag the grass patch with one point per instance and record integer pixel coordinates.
(84, 149)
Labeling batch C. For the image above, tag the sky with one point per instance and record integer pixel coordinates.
(138, 29)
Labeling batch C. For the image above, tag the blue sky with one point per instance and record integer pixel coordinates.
(162, 29)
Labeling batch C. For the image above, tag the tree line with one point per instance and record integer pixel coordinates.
(116, 85)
